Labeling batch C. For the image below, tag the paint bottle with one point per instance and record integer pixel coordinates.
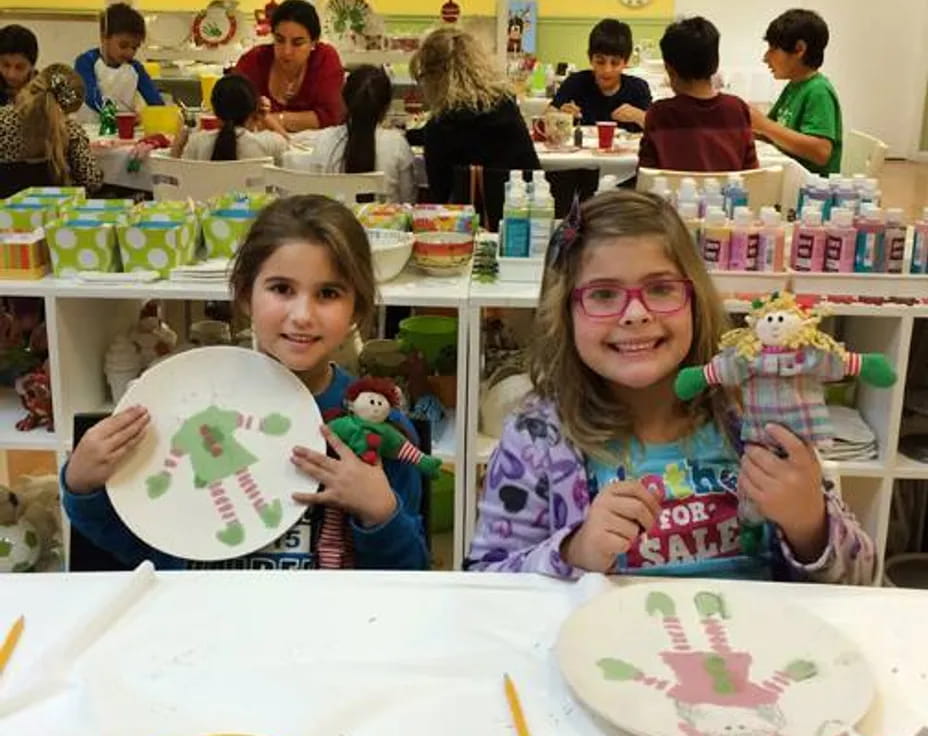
(894, 239)
(870, 192)
(744, 239)
(711, 196)
(661, 188)
(808, 247)
(689, 213)
(515, 237)
(771, 241)
(920, 245)
(819, 192)
(846, 196)
(734, 194)
(716, 240)
(541, 217)
(840, 241)
(870, 252)
(687, 192)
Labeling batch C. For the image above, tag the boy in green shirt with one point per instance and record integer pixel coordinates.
(805, 122)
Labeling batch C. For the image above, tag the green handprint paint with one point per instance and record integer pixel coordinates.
(208, 439)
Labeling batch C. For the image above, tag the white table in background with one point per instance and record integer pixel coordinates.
(367, 653)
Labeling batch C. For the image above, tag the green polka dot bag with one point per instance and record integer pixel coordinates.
(225, 230)
(158, 242)
(25, 216)
(81, 245)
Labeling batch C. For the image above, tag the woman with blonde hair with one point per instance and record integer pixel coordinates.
(37, 128)
(474, 116)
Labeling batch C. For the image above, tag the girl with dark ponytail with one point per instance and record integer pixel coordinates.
(235, 104)
(362, 144)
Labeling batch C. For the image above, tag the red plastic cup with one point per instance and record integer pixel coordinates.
(209, 122)
(125, 125)
(606, 132)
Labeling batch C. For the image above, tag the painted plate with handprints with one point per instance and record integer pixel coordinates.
(215, 26)
(705, 659)
(212, 477)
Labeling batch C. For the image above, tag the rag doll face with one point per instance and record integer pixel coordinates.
(371, 406)
(775, 328)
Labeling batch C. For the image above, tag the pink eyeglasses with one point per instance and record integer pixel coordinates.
(609, 299)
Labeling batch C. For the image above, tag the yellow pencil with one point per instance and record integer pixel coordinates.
(515, 707)
(9, 644)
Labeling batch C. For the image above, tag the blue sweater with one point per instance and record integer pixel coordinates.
(84, 65)
(397, 544)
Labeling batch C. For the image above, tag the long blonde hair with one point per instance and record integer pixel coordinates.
(590, 413)
(43, 106)
(747, 344)
(455, 72)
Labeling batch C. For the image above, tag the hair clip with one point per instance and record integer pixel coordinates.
(565, 235)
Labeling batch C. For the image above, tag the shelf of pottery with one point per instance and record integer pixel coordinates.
(123, 293)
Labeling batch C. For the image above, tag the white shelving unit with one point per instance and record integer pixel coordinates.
(83, 318)
(867, 486)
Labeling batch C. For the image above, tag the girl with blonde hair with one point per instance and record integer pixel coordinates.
(603, 469)
(37, 128)
(474, 116)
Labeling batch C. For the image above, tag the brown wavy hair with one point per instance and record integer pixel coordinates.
(590, 413)
(455, 72)
(43, 106)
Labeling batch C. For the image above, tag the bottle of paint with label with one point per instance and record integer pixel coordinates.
(716, 240)
(541, 217)
(689, 213)
(771, 241)
(870, 253)
(894, 239)
(869, 192)
(808, 247)
(846, 196)
(840, 241)
(687, 192)
(744, 238)
(819, 192)
(515, 237)
(661, 188)
(735, 194)
(920, 244)
(711, 196)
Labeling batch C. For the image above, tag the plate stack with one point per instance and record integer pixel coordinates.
(214, 270)
(854, 440)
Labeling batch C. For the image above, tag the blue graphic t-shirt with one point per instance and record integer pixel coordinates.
(697, 532)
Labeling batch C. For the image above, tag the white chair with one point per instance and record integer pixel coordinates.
(764, 185)
(862, 154)
(345, 187)
(178, 178)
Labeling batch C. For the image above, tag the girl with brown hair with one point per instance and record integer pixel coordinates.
(604, 469)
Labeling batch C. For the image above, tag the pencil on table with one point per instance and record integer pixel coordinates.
(515, 707)
(9, 644)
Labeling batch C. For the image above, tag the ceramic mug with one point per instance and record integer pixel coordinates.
(556, 128)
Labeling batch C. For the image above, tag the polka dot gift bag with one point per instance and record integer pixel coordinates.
(158, 242)
(81, 245)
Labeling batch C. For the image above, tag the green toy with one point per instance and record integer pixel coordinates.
(108, 118)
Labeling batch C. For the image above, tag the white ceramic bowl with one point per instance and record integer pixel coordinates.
(390, 250)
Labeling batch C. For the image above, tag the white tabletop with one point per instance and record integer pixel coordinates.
(360, 653)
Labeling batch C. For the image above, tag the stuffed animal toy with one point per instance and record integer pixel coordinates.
(366, 430)
(30, 530)
(35, 393)
(780, 362)
(370, 436)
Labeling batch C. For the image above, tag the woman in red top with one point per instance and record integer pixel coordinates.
(298, 77)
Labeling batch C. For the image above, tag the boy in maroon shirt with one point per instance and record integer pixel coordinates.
(699, 129)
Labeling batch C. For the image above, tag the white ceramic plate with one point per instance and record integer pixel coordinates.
(168, 30)
(647, 660)
(213, 404)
